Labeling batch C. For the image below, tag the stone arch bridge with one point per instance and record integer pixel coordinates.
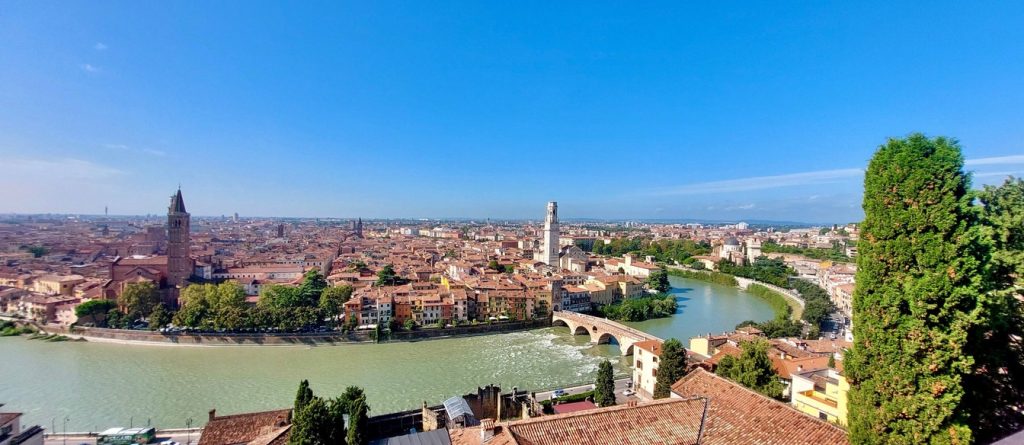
(601, 330)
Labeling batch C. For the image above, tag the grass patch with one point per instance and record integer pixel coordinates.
(783, 306)
(711, 277)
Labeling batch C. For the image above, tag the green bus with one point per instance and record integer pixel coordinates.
(126, 436)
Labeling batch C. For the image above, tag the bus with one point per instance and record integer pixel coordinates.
(126, 436)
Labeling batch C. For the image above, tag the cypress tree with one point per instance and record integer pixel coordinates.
(357, 419)
(671, 367)
(920, 275)
(604, 388)
(303, 396)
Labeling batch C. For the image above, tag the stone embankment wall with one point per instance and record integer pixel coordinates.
(281, 339)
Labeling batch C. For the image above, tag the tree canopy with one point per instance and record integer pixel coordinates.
(752, 369)
(138, 300)
(921, 273)
(604, 387)
(671, 367)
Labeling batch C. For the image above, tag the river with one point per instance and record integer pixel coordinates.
(99, 385)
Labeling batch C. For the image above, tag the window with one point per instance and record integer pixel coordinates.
(654, 372)
(822, 415)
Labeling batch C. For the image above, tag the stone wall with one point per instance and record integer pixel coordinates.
(283, 339)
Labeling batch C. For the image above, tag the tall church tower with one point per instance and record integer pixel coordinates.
(551, 246)
(179, 262)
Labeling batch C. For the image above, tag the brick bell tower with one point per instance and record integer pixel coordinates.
(179, 261)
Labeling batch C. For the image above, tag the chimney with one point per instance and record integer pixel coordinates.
(213, 414)
(799, 368)
(782, 355)
(487, 428)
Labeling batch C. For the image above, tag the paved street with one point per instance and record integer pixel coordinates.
(620, 386)
(182, 438)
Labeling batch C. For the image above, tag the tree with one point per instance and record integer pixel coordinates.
(348, 398)
(313, 285)
(671, 367)
(139, 299)
(279, 296)
(995, 390)
(357, 420)
(313, 424)
(921, 276)
(658, 280)
(753, 369)
(332, 301)
(387, 277)
(114, 319)
(94, 311)
(832, 361)
(304, 396)
(160, 317)
(410, 325)
(604, 387)
(493, 265)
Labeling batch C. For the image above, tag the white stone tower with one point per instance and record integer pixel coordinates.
(551, 246)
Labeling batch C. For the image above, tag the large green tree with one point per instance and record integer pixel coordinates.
(138, 300)
(995, 391)
(332, 301)
(671, 367)
(753, 369)
(920, 274)
(658, 280)
(313, 284)
(604, 387)
(94, 311)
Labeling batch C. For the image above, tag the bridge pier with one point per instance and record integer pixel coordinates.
(601, 330)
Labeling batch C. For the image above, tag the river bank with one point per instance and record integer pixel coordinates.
(151, 338)
(780, 299)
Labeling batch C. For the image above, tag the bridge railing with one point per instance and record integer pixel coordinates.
(640, 334)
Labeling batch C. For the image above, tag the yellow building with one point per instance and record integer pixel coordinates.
(821, 393)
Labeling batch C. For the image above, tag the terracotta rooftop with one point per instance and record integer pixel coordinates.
(572, 407)
(262, 427)
(666, 421)
(737, 415)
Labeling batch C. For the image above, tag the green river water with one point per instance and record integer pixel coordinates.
(99, 385)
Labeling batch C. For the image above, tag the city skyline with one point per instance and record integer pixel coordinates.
(415, 111)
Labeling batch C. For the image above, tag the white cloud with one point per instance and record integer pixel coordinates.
(148, 151)
(99, 46)
(997, 160)
(765, 182)
(1002, 174)
(90, 68)
(66, 168)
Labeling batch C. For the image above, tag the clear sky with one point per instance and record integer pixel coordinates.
(719, 110)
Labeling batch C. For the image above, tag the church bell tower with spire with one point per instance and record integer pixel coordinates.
(179, 261)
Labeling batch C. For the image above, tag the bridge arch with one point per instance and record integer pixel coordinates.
(601, 330)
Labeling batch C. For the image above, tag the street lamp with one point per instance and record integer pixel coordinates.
(188, 427)
(66, 419)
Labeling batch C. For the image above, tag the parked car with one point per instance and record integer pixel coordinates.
(558, 392)
(628, 392)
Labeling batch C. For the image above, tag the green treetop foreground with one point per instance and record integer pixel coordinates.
(931, 306)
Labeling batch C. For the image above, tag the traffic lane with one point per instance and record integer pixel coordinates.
(181, 438)
(620, 385)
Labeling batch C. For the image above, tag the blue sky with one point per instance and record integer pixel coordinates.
(490, 109)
